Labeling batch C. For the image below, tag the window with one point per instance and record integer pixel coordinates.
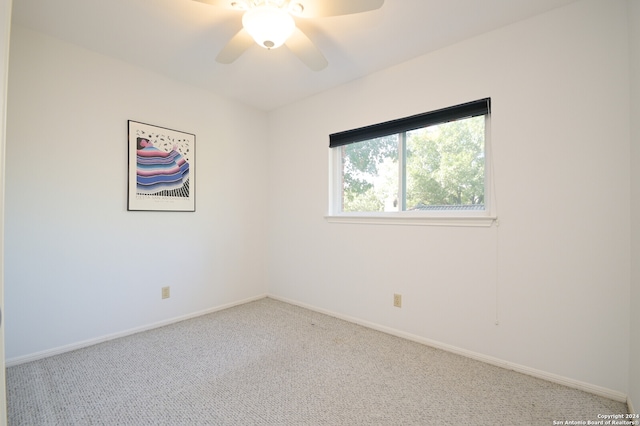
(419, 168)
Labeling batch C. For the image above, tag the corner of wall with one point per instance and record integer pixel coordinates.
(634, 59)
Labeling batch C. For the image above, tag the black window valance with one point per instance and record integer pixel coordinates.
(466, 110)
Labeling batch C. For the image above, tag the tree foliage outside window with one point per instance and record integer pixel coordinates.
(366, 174)
(440, 166)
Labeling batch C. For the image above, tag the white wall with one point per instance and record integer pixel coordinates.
(78, 265)
(634, 37)
(555, 272)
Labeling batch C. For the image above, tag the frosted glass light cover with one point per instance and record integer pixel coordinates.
(269, 26)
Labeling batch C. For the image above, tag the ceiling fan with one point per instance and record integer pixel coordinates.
(270, 23)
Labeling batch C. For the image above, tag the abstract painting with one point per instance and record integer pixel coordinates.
(161, 169)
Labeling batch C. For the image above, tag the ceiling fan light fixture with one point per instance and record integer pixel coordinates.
(269, 26)
(240, 4)
(296, 8)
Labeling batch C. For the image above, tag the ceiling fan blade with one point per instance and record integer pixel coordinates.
(228, 4)
(236, 47)
(323, 8)
(306, 51)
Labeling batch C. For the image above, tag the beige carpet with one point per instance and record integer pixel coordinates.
(271, 363)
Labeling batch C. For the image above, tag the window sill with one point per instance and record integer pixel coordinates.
(399, 219)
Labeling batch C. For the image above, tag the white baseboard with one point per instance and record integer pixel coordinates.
(554, 378)
(630, 407)
(79, 345)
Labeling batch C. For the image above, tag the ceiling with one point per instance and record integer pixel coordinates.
(181, 38)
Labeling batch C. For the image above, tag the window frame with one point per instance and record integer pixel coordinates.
(484, 217)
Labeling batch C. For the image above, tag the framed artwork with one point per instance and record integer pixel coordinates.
(161, 169)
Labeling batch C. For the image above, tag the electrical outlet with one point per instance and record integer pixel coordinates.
(397, 300)
(166, 292)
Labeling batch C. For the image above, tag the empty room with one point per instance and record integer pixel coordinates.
(399, 212)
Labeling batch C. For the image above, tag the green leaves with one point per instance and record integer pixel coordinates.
(361, 163)
(443, 165)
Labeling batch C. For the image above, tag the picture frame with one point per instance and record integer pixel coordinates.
(161, 169)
